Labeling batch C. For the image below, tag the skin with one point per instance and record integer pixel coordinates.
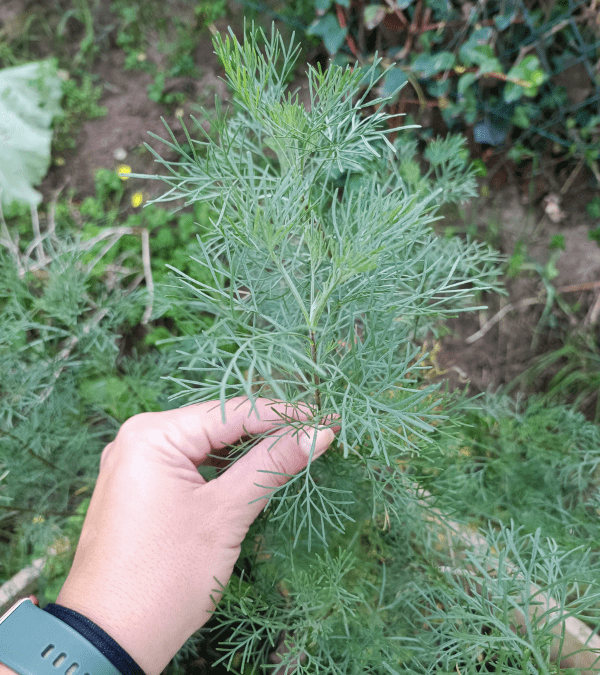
(158, 539)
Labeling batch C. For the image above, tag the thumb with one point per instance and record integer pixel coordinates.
(269, 464)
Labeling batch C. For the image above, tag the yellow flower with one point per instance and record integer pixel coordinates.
(123, 169)
(59, 161)
(137, 199)
(38, 519)
(60, 546)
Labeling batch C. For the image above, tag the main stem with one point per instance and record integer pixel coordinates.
(316, 378)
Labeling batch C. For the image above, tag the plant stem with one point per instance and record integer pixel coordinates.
(316, 378)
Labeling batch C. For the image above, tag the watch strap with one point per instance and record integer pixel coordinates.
(33, 642)
(103, 642)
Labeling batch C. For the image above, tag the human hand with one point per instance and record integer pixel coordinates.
(157, 535)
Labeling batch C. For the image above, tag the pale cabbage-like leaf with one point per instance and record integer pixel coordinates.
(29, 100)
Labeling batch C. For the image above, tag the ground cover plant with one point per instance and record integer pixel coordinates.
(322, 272)
(69, 379)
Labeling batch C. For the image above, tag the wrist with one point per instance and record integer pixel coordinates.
(35, 640)
(122, 621)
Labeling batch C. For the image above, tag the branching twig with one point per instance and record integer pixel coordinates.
(72, 342)
(66, 351)
(51, 229)
(587, 286)
(102, 253)
(594, 313)
(526, 302)
(116, 232)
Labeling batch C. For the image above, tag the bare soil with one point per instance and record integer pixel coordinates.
(491, 356)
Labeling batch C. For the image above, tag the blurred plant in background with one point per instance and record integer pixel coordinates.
(521, 75)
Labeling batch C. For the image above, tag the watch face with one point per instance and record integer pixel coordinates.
(12, 609)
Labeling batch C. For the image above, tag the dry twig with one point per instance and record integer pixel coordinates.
(591, 318)
(526, 302)
(37, 237)
(147, 275)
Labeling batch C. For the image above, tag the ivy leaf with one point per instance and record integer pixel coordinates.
(465, 81)
(529, 76)
(503, 21)
(476, 54)
(520, 117)
(490, 132)
(476, 49)
(322, 6)
(430, 64)
(490, 65)
(330, 31)
(373, 15)
(393, 81)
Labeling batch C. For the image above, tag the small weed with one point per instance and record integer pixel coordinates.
(573, 372)
(208, 11)
(594, 235)
(593, 207)
(158, 93)
(80, 104)
(172, 240)
(517, 260)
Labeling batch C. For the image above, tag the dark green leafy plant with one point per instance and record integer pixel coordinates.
(502, 68)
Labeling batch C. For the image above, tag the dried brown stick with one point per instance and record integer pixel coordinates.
(588, 286)
(147, 275)
(117, 232)
(500, 315)
(51, 229)
(592, 316)
(37, 237)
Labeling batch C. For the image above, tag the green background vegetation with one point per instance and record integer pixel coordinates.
(85, 344)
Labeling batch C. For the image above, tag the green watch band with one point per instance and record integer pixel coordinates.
(33, 642)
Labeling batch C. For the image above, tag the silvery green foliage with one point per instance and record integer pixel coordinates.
(322, 261)
(323, 271)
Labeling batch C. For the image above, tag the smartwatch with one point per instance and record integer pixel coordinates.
(33, 642)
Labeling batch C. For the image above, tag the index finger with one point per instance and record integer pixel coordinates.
(197, 430)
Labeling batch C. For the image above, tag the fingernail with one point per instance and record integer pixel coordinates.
(316, 442)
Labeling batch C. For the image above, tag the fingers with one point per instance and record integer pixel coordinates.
(197, 430)
(268, 465)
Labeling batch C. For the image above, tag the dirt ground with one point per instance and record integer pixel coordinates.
(522, 207)
(490, 356)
